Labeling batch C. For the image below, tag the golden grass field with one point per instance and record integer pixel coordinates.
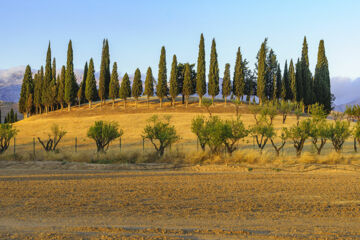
(183, 196)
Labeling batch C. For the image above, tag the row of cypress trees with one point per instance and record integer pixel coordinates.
(47, 91)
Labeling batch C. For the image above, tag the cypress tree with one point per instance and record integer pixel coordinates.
(107, 69)
(213, 73)
(125, 89)
(299, 82)
(226, 84)
(38, 81)
(114, 86)
(53, 86)
(61, 88)
(286, 93)
(161, 87)
(278, 83)
(137, 87)
(83, 83)
(53, 68)
(306, 75)
(102, 78)
(47, 85)
(239, 76)
(270, 70)
(90, 86)
(27, 89)
(70, 81)
(201, 72)
(174, 91)
(293, 84)
(149, 85)
(322, 90)
(261, 74)
(187, 87)
(274, 96)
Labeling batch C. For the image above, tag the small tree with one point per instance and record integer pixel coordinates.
(299, 133)
(232, 132)
(160, 133)
(207, 104)
(269, 110)
(298, 110)
(54, 138)
(149, 85)
(214, 127)
(283, 137)
(255, 110)
(285, 109)
(137, 87)
(356, 134)
(319, 134)
(338, 133)
(262, 131)
(114, 86)
(198, 127)
(125, 89)
(103, 133)
(7, 132)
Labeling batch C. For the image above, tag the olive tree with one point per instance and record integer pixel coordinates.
(7, 132)
(232, 132)
(54, 138)
(160, 133)
(285, 108)
(339, 131)
(299, 133)
(319, 134)
(262, 131)
(356, 134)
(283, 138)
(198, 127)
(103, 133)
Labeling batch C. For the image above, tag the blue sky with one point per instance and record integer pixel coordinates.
(137, 29)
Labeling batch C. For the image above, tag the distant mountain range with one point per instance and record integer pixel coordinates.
(346, 90)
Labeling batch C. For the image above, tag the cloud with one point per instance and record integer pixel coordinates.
(345, 89)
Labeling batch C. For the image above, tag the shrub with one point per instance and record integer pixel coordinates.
(299, 133)
(160, 133)
(54, 138)
(7, 132)
(255, 110)
(285, 108)
(214, 128)
(269, 110)
(232, 132)
(317, 112)
(298, 110)
(103, 133)
(283, 137)
(198, 127)
(338, 133)
(356, 134)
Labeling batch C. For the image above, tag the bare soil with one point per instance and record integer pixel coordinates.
(47, 201)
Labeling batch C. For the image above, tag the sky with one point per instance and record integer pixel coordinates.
(137, 30)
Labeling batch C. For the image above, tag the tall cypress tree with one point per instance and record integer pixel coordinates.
(274, 96)
(322, 90)
(278, 82)
(38, 90)
(293, 84)
(90, 86)
(201, 72)
(61, 88)
(299, 82)
(47, 88)
(83, 83)
(70, 81)
(161, 87)
(226, 84)
(53, 86)
(27, 89)
(187, 87)
(137, 87)
(174, 91)
(102, 78)
(239, 76)
(213, 73)
(149, 85)
(125, 89)
(306, 75)
(261, 74)
(114, 86)
(107, 68)
(271, 68)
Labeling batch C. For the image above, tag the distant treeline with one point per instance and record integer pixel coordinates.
(49, 90)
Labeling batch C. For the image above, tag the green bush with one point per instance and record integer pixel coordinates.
(160, 133)
(283, 137)
(103, 133)
(262, 131)
(299, 133)
(338, 133)
(232, 132)
(319, 134)
(7, 132)
(198, 127)
(285, 108)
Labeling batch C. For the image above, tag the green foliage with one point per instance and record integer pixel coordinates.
(299, 81)
(293, 84)
(232, 132)
(187, 86)
(125, 89)
(269, 110)
(7, 132)
(213, 77)
(339, 131)
(285, 108)
(82, 87)
(160, 133)
(239, 76)
(317, 112)
(299, 133)
(55, 136)
(198, 127)
(61, 87)
(226, 84)
(90, 88)
(137, 87)
(353, 112)
(161, 87)
(283, 138)
(262, 131)
(149, 83)
(114, 86)
(207, 104)
(104, 78)
(319, 133)
(174, 91)
(201, 75)
(298, 110)
(306, 76)
(103, 133)
(11, 117)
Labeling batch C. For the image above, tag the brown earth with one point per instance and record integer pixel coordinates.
(47, 201)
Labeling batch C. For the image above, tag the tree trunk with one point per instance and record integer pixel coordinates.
(173, 102)
(69, 107)
(90, 102)
(186, 101)
(62, 106)
(113, 103)
(200, 101)
(124, 103)
(136, 102)
(160, 102)
(212, 100)
(355, 148)
(148, 105)
(225, 101)
(183, 98)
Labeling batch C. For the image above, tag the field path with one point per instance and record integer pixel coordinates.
(260, 204)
